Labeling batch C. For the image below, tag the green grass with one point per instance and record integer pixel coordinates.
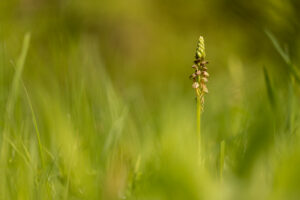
(82, 141)
(96, 103)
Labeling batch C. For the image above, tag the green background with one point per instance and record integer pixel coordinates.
(100, 105)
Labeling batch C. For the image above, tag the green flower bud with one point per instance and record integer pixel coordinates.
(200, 51)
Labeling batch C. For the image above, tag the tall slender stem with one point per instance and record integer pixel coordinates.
(199, 78)
(199, 136)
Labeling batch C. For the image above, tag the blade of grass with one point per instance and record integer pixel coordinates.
(270, 90)
(35, 125)
(222, 156)
(19, 69)
(9, 110)
(20, 153)
(277, 46)
(292, 68)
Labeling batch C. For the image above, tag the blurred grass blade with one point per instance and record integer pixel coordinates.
(222, 156)
(291, 110)
(17, 76)
(292, 69)
(35, 125)
(270, 90)
(19, 152)
(277, 46)
(116, 131)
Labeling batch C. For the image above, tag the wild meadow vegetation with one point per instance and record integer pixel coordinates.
(96, 101)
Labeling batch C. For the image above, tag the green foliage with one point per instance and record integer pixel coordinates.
(96, 103)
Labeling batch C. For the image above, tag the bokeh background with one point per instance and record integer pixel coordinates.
(103, 107)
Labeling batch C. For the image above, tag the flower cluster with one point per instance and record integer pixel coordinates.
(200, 76)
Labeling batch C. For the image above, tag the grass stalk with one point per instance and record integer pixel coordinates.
(17, 76)
(10, 105)
(34, 121)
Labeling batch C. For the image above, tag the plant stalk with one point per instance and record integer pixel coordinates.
(199, 78)
(199, 136)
